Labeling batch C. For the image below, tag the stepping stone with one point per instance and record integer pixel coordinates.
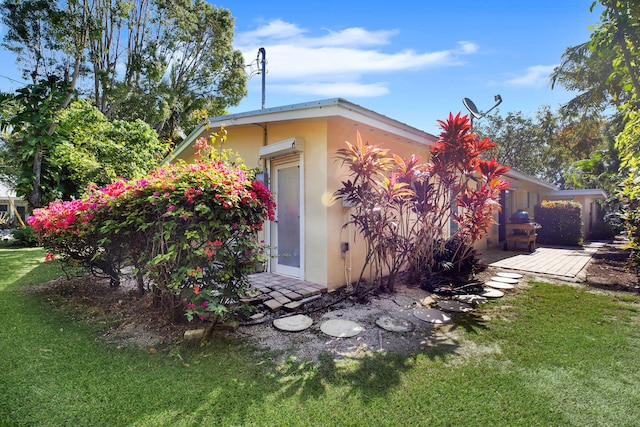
(492, 293)
(456, 306)
(431, 315)
(509, 275)
(499, 285)
(394, 324)
(504, 280)
(471, 299)
(296, 323)
(341, 328)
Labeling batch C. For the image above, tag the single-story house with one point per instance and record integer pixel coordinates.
(294, 146)
(11, 206)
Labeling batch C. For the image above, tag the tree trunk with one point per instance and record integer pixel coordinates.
(35, 197)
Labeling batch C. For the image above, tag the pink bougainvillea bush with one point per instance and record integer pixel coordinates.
(403, 207)
(191, 229)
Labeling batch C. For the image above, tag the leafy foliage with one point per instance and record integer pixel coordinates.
(561, 222)
(94, 150)
(190, 228)
(156, 60)
(398, 203)
(544, 146)
(25, 236)
(52, 153)
(31, 117)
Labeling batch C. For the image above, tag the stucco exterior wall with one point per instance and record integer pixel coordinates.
(314, 167)
(245, 140)
(347, 269)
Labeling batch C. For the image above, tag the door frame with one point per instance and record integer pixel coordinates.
(274, 165)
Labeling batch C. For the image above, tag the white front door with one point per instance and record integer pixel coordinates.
(287, 234)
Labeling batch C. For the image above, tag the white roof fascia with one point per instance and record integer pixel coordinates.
(598, 192)
(524, 177)
(317, 109)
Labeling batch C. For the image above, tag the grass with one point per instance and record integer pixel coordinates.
(549, 355)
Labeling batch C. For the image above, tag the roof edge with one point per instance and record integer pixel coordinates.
(282, 112)
(516, 174)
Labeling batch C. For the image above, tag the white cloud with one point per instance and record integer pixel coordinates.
(331, 90)
(468, 47)
(289, 62)
(274, 30)
(535, 76)
(334, 63)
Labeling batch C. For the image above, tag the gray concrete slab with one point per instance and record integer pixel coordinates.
(563, 262)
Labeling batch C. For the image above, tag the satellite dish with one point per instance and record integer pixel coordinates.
(473, 110)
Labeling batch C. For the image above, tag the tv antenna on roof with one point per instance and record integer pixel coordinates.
(473, 110)
(260, 68)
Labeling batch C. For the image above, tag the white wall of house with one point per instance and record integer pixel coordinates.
(12, 205)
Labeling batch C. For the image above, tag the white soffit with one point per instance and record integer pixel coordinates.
(282, 148)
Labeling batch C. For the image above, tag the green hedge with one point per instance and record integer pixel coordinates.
(561, 222)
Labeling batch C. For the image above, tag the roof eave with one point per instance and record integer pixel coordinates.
(316, 109)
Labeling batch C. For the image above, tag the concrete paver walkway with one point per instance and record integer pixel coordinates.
(566, 263)
(563, 262)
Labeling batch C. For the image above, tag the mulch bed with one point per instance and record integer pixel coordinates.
(611, 268)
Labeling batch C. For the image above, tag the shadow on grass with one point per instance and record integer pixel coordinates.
(90, 382)
(372, 375)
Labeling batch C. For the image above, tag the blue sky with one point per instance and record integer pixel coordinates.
(413, 61)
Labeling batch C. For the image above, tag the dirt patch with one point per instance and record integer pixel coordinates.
(131, 321)
(611, 268)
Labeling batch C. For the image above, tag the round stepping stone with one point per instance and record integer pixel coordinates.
(296, 323)
(509, 275)
(394, 324)
(456, 306)
(499, 285)
(504, 280)
(341, 328)
(492, 293)
(471, 299)
(431, 315)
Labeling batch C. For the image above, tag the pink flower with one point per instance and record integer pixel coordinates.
(205, 304)
(191, 306)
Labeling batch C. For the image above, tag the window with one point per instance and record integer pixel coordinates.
(22, 212)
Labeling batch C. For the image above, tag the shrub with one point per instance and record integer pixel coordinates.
(561, 222)
(602, 231)
(397, 203)
(190, 228)
(25, 236)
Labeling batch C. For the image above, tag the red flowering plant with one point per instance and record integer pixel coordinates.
(184, 227)
(402, 207)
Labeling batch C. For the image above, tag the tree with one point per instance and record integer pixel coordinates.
(94, 150)
(83, 148)
(178, 57)
(191, 66)
(32, 128)
(614, 46)
(519, 141)
(544, 146)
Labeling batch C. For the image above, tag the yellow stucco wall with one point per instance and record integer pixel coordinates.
(245, 140)
(322, 216)
(314, 167)
(346, 269)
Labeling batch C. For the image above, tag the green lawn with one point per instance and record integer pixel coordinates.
(550, 355)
